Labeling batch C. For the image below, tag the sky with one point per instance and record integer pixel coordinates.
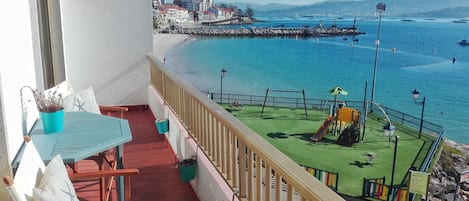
(291, 2)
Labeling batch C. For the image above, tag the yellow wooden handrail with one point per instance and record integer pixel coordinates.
(235, 150)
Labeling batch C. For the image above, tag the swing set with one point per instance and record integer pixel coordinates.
(285, 91)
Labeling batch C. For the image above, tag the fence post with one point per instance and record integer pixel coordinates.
(364, 187)
(337, 181)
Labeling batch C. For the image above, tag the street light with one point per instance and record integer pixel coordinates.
(389, 131)
(380, 7)
(222, 75)
(396, 139)
(415, 96)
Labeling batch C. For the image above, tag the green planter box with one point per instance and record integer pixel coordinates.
(187, 169)
(162, 126)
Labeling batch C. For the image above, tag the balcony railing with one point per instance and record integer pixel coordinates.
(243, 158)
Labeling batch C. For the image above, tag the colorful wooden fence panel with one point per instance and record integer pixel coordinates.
(329, 179)
(399, 194)
(376, 188)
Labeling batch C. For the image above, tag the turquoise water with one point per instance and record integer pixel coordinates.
(422, 60)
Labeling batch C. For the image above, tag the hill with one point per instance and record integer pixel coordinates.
(367, 8)
(459, 12)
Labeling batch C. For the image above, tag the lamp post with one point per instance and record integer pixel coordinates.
(396, 139)
(388, 128)
(222, 75)
(389, 132)
(415, 96)
(380, 7)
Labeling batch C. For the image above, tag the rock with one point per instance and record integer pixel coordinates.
(449, 186)
(458, 158)
(464, 186)
(450, 197)
(446, 172)
(435, 187)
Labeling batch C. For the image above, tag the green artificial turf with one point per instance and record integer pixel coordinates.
(289, 130)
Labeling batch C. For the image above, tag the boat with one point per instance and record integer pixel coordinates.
(310, 16)
(459, 21)
(464, 43)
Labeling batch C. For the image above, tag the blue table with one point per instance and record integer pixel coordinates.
(85, 134)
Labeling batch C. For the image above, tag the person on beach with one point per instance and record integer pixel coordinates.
(164, 60)
(454, 60)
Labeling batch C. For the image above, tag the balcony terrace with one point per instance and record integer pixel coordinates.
(159, 178)
(232, 149)
(106, 48)
(97, 44)
(219, 158)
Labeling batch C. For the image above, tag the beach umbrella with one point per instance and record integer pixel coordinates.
(337, 91)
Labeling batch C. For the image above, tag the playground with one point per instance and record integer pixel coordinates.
(313, 140)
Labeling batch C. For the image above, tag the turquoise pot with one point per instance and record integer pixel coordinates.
(162, 126)
(187, 169)
(53, 122)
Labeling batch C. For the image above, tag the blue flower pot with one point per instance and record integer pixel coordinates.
(162, 126)
(187, 169)
(53, 122)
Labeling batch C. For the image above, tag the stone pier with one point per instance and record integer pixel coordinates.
(269, 32)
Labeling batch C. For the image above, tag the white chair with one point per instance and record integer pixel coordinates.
(35, 181)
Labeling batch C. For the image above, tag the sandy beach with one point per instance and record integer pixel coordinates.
(162, 43)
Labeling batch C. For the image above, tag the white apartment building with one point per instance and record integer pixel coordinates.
(205, 4)
(173, 13)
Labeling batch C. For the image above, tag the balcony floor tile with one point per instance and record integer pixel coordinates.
(148, 151)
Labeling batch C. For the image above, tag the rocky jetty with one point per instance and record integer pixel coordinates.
(453, 160)
(268, 32)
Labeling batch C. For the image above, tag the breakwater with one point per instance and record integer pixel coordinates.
(269, 32)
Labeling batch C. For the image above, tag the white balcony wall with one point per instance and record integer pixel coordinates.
(208, 184)
(105, 46)
(18, 48)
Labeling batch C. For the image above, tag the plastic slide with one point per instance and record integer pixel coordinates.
(323, 130)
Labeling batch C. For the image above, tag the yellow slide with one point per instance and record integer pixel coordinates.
(323, 130)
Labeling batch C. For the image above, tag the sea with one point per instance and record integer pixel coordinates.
(414, 53)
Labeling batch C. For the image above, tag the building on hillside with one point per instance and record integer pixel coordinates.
(157, 3)
(221, 13)
(227, 12)
(205, 5)
(206, 16)
(215, 10)
(173, 14)
(191, 5)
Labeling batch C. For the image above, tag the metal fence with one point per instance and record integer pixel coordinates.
(297, 102)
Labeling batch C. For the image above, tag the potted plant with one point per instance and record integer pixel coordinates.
(50, 106)
(187, 169)
(162, 126)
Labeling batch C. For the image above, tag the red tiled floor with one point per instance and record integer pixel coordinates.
(148, 151)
